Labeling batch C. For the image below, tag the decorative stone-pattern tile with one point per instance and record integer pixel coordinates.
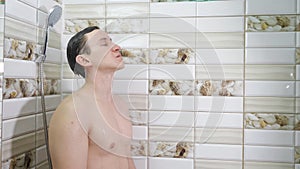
(219, 88)
(139, 148)
(135, 56)
(17, 88)
(278, 23)
(297, 122)
(51, 86)
(25, 160)
(297, 55)
(297, 155)
(18, 49)
(170, 87)
(138, 117)
(171, 56)
(269, 121)
(127, 26)
(75, 25)
(170, 149)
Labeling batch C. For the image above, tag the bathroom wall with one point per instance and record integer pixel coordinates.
(22, 133)
(210, 85)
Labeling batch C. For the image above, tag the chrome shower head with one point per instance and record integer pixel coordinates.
(54, 15)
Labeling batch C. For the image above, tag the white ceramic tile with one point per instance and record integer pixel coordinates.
(136, 102)
(220, 24)
(83, 2)
(21, 11)
(17, 29)
(273, 39)
(219, 56)
(177, 103)
(172, 72)
(19, 126)
(54, 38)
(54, 55)
(132, 72)
(140, 162)
(40, 122)
(220, 40)
(64, 44)
(45, 5)
(2, 24)
(32, 3)
(42, 19)
(1, 58)
(126, 1)
(220, 8)
(218, 120)
(83, 11)
(130, 86)
(41, 154)
(17, 146)
(297, 105)
(268, 137)
(254, 7)
(297, 72)
(52, 71)
(297, 89)
(168, 118)
(51, 102)
(176, 134)
(127, 10)
(172, 40)
(297, 140)
(170, 163)
(217, 164)
(269, 154)
(18, 107)
(269, 104)
(298, 39)
(178, 9)
(270, 72)
(172, 25)
(219, 136)
(25, 69)
(267, 165)
(270, 56)
(2, 11)
(131, 40)
(220, 72)
(219, 104)
(218, 151)
(139, 133)
(298, 6)
(43, 165)
(270, 88)
(70, 85)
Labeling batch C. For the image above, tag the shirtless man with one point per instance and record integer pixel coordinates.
(91, 129)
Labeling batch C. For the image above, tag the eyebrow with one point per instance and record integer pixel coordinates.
(104, 39)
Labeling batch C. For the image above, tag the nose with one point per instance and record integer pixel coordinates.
(116, 48)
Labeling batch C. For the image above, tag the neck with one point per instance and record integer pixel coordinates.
(100, 83)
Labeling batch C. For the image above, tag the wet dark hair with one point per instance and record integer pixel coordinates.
(76, 46)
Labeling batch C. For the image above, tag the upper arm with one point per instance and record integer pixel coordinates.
(67, 141)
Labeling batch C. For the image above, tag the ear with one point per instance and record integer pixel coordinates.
(83, 61)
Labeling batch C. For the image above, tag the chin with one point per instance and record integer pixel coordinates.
(120, 66)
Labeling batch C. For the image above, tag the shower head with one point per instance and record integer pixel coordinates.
(54, 15)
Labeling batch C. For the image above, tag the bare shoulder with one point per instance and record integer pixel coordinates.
(65, 136)
(64, 117)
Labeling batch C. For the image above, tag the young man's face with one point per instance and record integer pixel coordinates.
(104, 53)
